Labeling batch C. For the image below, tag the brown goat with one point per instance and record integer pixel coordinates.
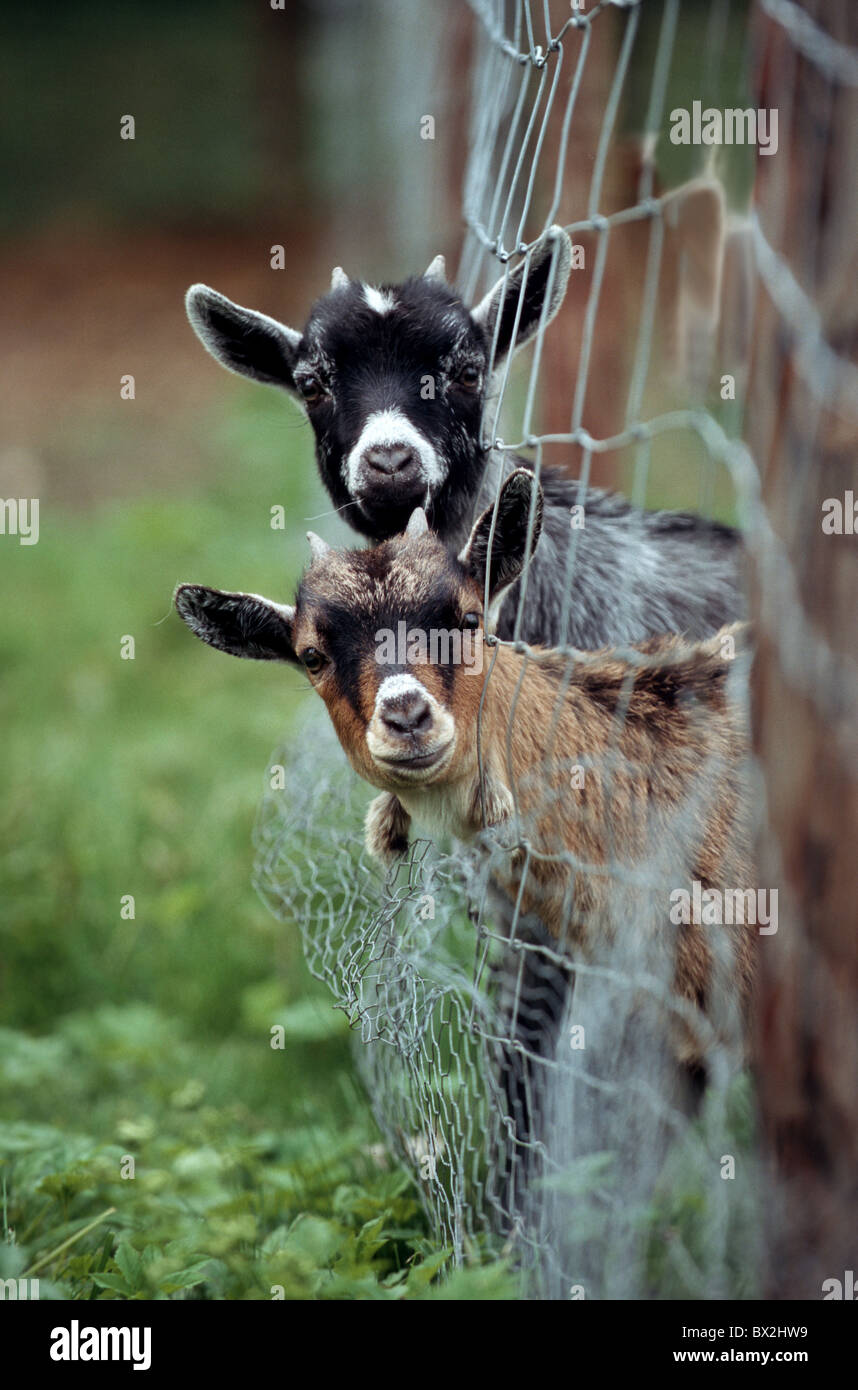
(586, 766)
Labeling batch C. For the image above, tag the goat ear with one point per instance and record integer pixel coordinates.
(417, 524)
(240, 624)
(499, 308)
(509, 545)
(243, 340)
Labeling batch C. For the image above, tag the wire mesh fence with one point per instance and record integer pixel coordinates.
(529, 1078)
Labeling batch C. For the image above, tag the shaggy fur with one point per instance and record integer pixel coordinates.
(662, 744)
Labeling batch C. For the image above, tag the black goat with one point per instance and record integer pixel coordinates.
(395, 382)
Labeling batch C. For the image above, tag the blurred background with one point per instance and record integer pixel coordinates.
(139, 1029)
(148, 1035)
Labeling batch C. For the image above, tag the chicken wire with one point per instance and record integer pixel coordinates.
(461, 1008)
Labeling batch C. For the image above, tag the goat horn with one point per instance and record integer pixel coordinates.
(339, 279)
(437, 269)
(318, 547)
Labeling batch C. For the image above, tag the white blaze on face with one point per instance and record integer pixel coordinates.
(392, 687)
(439, 736)
(381, 301)
(390, 752)
(387, 429)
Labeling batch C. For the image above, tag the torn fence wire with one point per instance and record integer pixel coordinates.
(464, 1017)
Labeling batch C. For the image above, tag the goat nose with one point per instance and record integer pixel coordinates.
(408, 714)
(389, 458)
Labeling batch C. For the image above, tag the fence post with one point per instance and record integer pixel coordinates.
(802, 414)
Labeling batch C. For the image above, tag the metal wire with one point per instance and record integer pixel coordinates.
(446, 991)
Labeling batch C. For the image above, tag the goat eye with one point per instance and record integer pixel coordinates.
(471, 620)
(310, 389)
(469, 376)
(313, 660)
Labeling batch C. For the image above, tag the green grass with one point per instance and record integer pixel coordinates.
(254, 1169)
